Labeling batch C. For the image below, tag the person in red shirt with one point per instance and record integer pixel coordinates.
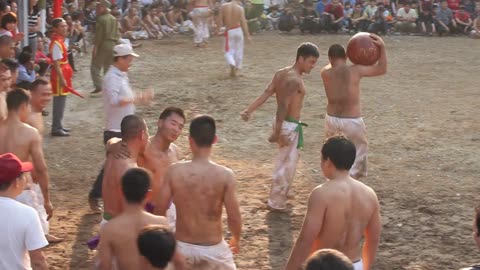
(333, 16)
(463, 19)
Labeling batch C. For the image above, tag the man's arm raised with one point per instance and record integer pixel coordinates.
(234, 218)
(246, 114)
(372, 238)
(163, 200)
(41, 170)
(311, 227)
(381, 67)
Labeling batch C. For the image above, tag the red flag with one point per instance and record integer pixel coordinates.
(73, 91)
(57, 8)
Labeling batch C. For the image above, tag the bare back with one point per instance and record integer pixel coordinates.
(18, 138)
(198, 191)
(232, 15)
(118, 239)
(35, 120)
(157, 161)
(112, 187)
(201, 3)
(288, 84)
(342, 87)
(349, 208)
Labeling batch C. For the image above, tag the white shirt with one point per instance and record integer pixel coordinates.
(57, 51)
(116, 87)
(20, 232)
(412, 13)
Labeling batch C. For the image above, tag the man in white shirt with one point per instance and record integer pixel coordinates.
(118, 102)
(21, 235)
(406, 19)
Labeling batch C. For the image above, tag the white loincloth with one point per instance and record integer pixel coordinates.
(214, 257)
(358, 265)
(200, 20)
(354, 129)
(285, 166)
(33, 197)
(234, 46)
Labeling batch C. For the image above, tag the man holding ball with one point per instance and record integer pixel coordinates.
(342, 87)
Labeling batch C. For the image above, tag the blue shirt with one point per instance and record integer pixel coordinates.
(24, 75)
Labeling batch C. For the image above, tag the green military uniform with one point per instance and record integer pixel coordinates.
(106, 37)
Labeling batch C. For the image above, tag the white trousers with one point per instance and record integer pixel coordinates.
(234, 47)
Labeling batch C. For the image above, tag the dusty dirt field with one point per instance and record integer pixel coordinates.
(422, 127)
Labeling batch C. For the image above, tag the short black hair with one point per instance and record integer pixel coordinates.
(8, 18)
(131, 126)
(3, 6)
(328, 259)
(6, 40)
(24, 57)
(172, 110)
(336, 51)
(16, 98)
(157, 244)
(135, 185)
(56, 22)
(11, 63)
(203, 130)
(66, 15)
(39, 81)
(307, 49)
(340, 151)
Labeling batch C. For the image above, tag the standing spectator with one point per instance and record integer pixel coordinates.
(21, 235)
(444, 21)
(26, 70)
(425, 16)
(106, 37)
(309, 19)
(61, 76)
(33, 24)
(463, 20)
(333, 15)
(357, 21)
(406, 18)
(287, 20)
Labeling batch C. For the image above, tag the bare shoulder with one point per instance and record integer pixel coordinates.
(226, 172)
(366, 190)
(31, 132)
(320, 193)
(157, 220)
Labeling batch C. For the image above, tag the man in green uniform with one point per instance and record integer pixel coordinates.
(106, 37)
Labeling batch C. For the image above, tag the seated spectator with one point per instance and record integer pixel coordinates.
(156, 245)
(161, 22)
(406, 18)
(132, 26)
(320, 7)
(287, 20)
(78, 30)
(12, 65)
(454, 4)
(147, 19)
(379, 23)
(333, 16)
(347, 13)
(444, 21)
(425, 17)
(251, 15)
(309, 19)
(357, 23)
(26, 70)
(21, 235)
(175, 18)
(470, 7)
(369, 13)
(475, 33)
(328, 259)
(8, 25)
(463, 20)
(273, 18)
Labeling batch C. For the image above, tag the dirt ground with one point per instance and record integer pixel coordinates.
(422, 128)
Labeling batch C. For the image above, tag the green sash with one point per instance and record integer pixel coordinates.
(107, 216)
(298, 129)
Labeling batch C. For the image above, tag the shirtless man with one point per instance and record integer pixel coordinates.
(132, 25)
(200, 188)
(200, 15)
(175, 16)
(5, 82)
(41, 95)
(134, 132)
(118, 238)
(342, 87)
(150, 240)
(26, 143)
(161, 152)
(232, 16)
(287, 85)
(341, 212)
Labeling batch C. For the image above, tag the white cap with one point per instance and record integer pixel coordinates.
(123, 50)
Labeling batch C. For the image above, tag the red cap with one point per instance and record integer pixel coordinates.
(11, 167)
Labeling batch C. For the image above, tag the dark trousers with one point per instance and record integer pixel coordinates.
(96, 191)
(309, 26)
(58, 111)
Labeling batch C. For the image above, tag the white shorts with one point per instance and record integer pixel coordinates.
(217, 256)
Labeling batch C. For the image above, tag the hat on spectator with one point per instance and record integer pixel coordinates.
(11, 168)
(123, 50)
